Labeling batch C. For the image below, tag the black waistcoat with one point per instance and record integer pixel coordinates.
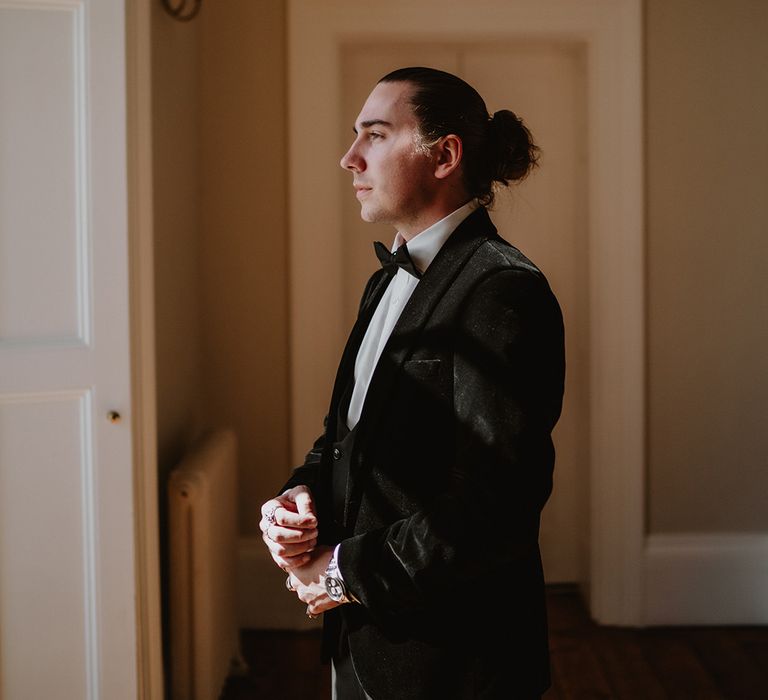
(342, 452)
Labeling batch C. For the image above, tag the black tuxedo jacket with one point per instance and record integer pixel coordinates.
(452, 464)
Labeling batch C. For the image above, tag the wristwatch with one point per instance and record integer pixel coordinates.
(334, 584)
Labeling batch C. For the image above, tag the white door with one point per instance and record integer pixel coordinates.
(67, 612)
(544, 82)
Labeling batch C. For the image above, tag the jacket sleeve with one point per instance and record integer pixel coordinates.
(508, 387)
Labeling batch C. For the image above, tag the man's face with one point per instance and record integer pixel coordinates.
(393, 178)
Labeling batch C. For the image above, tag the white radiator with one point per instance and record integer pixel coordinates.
(202, 495)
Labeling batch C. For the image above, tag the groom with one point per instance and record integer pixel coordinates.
(412, 525)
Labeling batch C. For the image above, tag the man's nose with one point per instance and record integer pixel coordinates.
(351, 160)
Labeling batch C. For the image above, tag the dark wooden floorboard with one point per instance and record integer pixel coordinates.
(588, 661)
(734, 672)
(576, 670)
(755, 643)
(677, 666)
(628, 671)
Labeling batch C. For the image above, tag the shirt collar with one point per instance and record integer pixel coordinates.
(424, 246)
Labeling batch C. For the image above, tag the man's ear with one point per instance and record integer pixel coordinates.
(447, 154)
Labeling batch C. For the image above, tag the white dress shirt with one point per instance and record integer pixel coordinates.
(423, 248)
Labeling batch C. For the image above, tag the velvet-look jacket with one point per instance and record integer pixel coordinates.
(452, 464)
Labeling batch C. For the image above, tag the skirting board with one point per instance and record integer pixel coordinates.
(263, 601)
(706, 579)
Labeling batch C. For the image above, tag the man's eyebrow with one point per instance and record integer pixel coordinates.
(372, 122)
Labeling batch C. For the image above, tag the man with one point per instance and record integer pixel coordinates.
(413, 523)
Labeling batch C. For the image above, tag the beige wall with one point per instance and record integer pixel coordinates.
(244, 243)
(221, 238)
(175, 135)
(707, 159)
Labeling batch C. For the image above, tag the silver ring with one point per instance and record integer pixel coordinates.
(269, 516)
(288, 583)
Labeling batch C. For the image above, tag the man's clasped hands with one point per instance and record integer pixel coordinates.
(289, 529)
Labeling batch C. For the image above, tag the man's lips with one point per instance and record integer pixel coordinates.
(361, 191)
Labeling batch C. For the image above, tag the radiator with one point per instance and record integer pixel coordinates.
(204, 638)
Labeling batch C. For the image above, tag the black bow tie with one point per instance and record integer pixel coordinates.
(400, 258)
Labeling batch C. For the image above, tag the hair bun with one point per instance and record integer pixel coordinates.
(511, 146)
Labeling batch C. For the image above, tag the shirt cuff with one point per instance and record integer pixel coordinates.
(340, 575)
(336, 557)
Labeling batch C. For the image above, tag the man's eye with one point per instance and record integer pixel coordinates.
(375, 135)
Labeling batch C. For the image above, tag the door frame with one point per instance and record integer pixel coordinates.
(612, 32)
(138, 31)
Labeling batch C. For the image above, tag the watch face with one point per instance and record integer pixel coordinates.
(335, 588)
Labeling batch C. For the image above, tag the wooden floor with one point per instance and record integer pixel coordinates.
(588, 661)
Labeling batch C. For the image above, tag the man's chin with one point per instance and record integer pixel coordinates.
(372, 215)
(368, 215)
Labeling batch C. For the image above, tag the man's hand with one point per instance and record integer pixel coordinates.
(289, 527)
(308, 582)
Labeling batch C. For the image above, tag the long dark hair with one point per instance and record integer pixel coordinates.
(497, 148)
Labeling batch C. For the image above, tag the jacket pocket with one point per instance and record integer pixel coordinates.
(422, 368)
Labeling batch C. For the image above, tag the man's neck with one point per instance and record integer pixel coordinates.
(430, 217)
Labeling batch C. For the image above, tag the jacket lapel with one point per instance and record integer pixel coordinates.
(454, 254)
(377, 286)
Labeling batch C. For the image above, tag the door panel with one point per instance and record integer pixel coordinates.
(67, 582)
(46, 594)
(545, 216)
(39, 271)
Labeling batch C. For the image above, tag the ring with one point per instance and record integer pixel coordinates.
(310, 615)
(269, 516)
(288, 583)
